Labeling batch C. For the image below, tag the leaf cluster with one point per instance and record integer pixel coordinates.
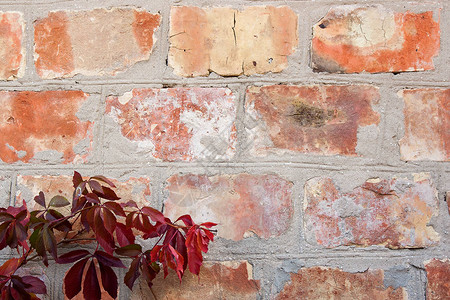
(96, 215)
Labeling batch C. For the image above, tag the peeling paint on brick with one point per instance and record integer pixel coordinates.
(308, 119)
(393, 213)
(96, 42)
(231, 42)
(224, 280)
(241, 204)
(438, 279)
(328, 283)
(33, 122)
(355, 39)
(12, 52)
(179, 124)
(427, 124)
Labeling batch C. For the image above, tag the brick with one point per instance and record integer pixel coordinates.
(329, 283)
(427, 124)
(177, 124)
(225, 280)
(393, 213)
(28, 186)
(97, 42)
(241, 204)
(231, 42)
(5, 184)
(32, 122)
(308, 119)
(438, 279)
(12, 53)
(355, 39)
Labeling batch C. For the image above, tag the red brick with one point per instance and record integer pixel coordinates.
(12, 55)
(328, 283)
(438, 279)
(231, 42)
(374, 39)
(96, 42)
(393, 213)
(241, 204)
(226, 280)
(309, 119)
(427, 124)
(179, 124)
(38, 121)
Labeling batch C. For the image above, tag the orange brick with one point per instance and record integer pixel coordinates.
(38, 121)
(374, 39)
(241, 204)
(438, 279)
(12, 53)
(231, 42)
(96, 42)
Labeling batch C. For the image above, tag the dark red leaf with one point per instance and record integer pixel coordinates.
(36, 285)
(154, 214)
(115, 207)
(133, 273)
(5, 217)
(21, 232)
(72, 256)
(109, 220)
(108, 194)
(40, 199)
(130, 250)
(129, 220)
(78, 203)
(104, 238)
(92, 198)
(59, 201)
(104, 179)
(125, 236)
(49, 241)
(74, 278)
(109, 280)
(95, 186)
(91, 286)
(149, 271)
(53, 215)
(77, 179)
(108, 260)
(22, 215)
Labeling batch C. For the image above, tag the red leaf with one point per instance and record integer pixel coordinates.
(36, 286)
(95, 186)
(108, 260)
(130, 250)
(115, 207)
(109, 280)
(125, 236)
(108, 194)
(129, 203)
(74, 278)
(103, 236)
(9, 266)
(49, 241)
(149, 271)
(40, 199)
(109, 220)
(77, 179)
(133, 273)
(179, 261)
(104, 179)
(208, 224)
(72, 256)
(93, 198)
(91, 287)
(186, 219)
(154, 214)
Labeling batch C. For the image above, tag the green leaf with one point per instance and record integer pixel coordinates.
(59, 201)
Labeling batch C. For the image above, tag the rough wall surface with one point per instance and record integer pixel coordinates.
(317, 133)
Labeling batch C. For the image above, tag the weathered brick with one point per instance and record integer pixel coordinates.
(427, 124)
(393, 213)
(96, 42)
(438, 279)
(12, 53)
(28, 186)
(241, 204)
(328, 283)
(225, 280)
(178, 123)
(32, 122)
(230, 42)
(309, 119)
(374, 39)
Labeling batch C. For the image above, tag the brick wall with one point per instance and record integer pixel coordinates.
(317, 133)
